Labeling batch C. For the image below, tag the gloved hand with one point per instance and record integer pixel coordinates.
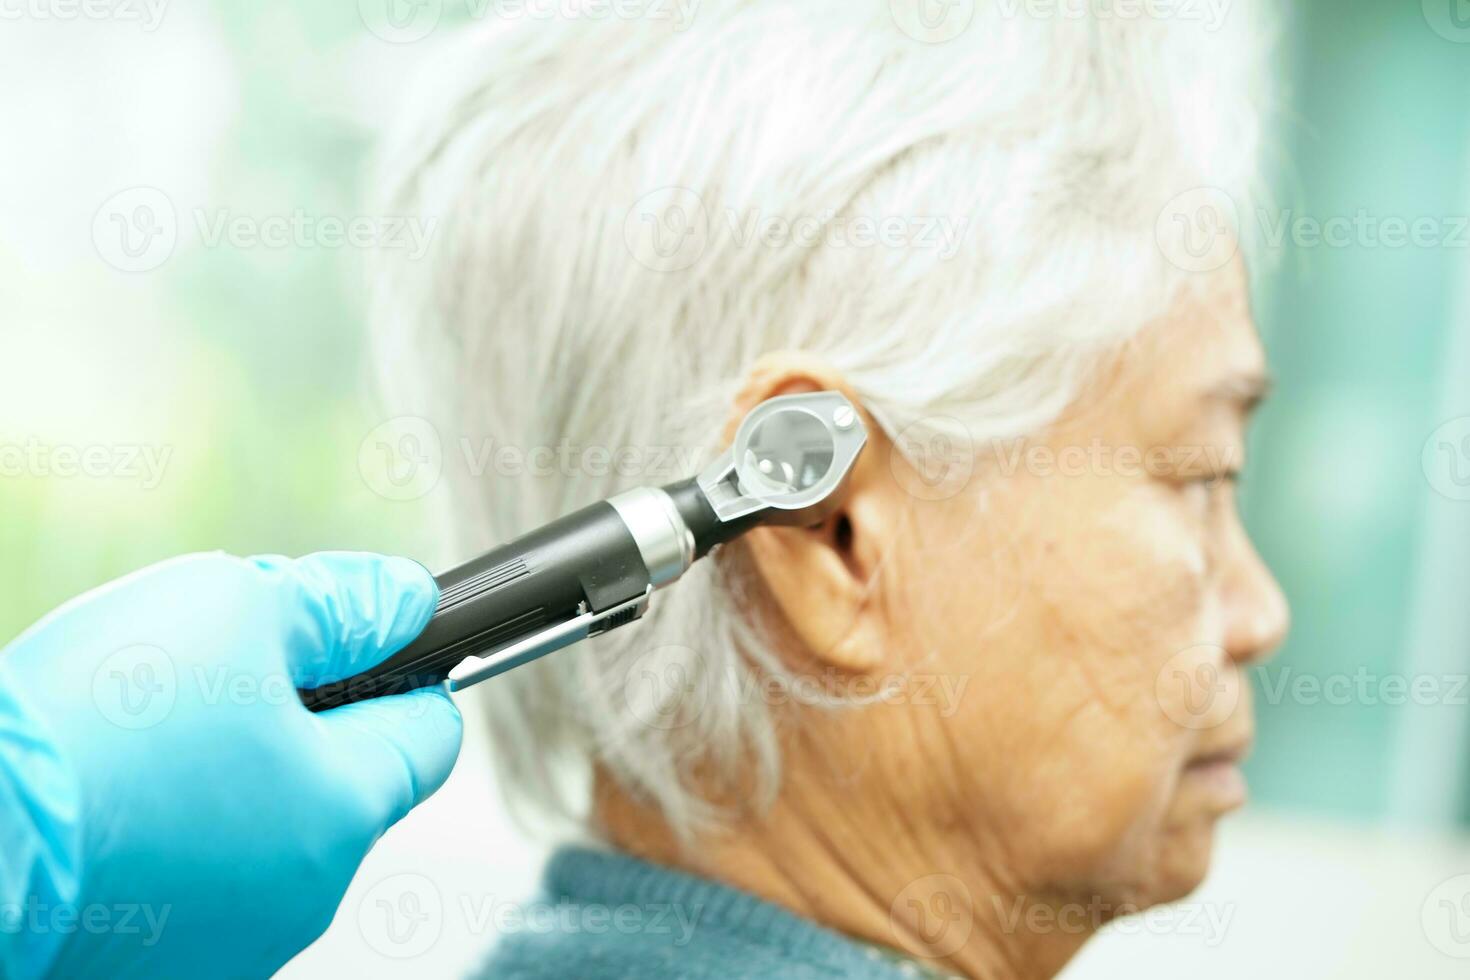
(167, 806)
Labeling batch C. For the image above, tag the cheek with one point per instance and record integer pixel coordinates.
(1058, 619)
(1140, 567)
(1125, 587)
(1117, 588)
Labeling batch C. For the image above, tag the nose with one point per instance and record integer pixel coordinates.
(1257, 615)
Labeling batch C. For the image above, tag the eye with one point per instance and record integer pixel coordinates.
(1205, 492)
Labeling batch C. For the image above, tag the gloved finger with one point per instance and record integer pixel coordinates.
(351, 610)
(399, 749)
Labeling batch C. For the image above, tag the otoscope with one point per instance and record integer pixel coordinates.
(594, 570)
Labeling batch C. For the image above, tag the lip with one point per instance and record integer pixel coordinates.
(1232, 754)
(1216, 773)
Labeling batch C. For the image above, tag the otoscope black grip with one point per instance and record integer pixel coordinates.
(587, 561)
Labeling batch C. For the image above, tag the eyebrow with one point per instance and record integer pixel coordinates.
(1246, 391)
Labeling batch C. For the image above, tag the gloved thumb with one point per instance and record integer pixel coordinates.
(352, 610)
(398, 750)
(355, 610)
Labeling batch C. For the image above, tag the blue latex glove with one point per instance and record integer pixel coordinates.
(167, 806)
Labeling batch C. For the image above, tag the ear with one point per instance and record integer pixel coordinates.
(823, 580)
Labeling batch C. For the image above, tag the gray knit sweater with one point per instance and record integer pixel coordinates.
(607, 916)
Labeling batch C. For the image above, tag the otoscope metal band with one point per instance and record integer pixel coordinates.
(663, 539)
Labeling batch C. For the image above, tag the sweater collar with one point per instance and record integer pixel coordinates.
(588, 875)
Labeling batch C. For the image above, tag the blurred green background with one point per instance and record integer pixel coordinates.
(245, 364)
(1370, 344)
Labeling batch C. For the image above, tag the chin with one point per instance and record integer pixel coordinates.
(1169, 868)
(1185, 860)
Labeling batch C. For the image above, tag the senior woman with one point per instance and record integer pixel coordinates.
(997, 699)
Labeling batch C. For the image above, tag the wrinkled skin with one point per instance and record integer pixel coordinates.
(1069, 643)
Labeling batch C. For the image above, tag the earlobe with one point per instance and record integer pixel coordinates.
(823, 601)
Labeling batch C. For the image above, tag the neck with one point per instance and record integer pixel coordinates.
(946, 904)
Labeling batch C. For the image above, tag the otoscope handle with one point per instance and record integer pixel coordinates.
(586, 562)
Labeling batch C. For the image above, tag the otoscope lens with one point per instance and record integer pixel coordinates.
(789, 452)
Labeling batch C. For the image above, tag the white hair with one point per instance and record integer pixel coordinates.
(798, 153)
